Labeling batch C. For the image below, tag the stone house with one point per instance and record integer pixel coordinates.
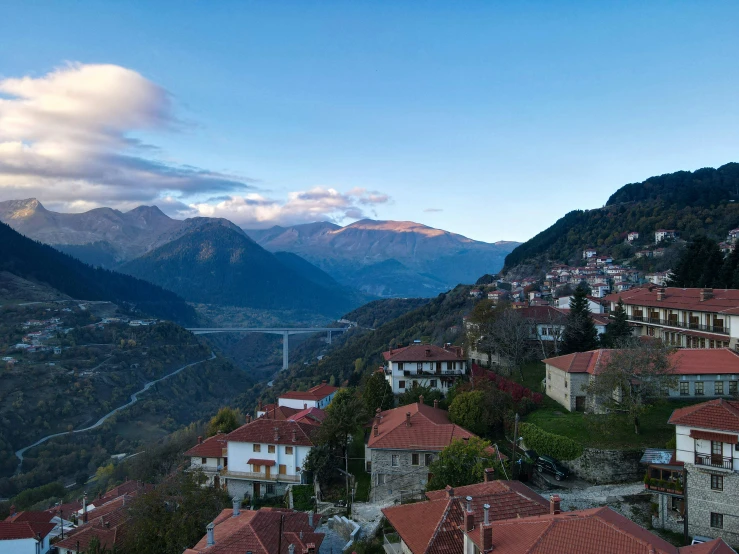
(424, 365)
(401, 446)
(706, 467)
(702, 373)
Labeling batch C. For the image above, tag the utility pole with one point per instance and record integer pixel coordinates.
(515, 441)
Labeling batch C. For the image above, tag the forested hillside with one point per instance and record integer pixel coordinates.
(699, 202)
(34, 261)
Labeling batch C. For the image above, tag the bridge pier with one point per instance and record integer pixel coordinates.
(329, 337)
(285, 350)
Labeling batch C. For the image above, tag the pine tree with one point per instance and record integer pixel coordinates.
(618, 330)
(580, 334)
(700, 265)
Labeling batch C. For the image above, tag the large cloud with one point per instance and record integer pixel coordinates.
(67, 139)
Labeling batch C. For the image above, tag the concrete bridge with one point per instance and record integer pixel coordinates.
(284, 331)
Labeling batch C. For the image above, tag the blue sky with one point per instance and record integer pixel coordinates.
(490, 119)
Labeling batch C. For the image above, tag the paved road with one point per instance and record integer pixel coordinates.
(99, 422)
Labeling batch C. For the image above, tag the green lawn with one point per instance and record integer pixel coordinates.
(533, 374)
(609, 431)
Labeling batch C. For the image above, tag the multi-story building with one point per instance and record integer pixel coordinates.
(701, 480)
(424, 364)
(266, 455)
(663, 234)
(694, 318)
(632, 236)
(701, 373)
(402, 444)
(319, 397)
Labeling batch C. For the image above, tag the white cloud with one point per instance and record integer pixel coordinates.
(316, 204)
(68, 138)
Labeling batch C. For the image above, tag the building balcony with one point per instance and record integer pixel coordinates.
(721, 329)
(391, 543)
(260, 476)
(714, 461)
(442, 373)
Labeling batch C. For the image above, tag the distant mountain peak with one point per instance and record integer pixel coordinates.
(396, 226)
(20, 209)
(148, 211)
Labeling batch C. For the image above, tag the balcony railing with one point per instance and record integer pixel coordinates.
(260, 476)
(424, 373)
(680, 324)
(712, 460)
(391, 543)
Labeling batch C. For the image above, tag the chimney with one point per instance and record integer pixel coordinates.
(428, 352)
(210, 534)
(377, 415)
(200, 440)
(291, 549)
(449, 491)
(660, 294)
(305, 405)
(311, 546)
(486, 531)
(706, 294)
(420, 399)
(236, 507)
(84, 508)
(277, 434)
(248, 418)
(310, 519)
(469, 516)
(436, 404)
(554, 502)
(489, 474)
(376, 430)
(407, 419)
(295, 435)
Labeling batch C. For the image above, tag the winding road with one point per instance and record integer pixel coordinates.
(99, 422)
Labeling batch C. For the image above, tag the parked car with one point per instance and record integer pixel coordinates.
(550, 465)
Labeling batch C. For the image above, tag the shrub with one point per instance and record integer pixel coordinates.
(302, 497)
(549, 444)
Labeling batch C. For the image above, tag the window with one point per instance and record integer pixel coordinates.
(717, 520)
(684, 388)
(717, 482)
(270, 488)
(718, 388)
(698, 388)
(400, 365)
(415, 459)
(283, 469)
(419, 366)
(717, 448)
(270, 448)
(733, 387)
(450, 365)
(380, 478)
(257, 448)
(395, 460)
(401, 384)
(432, 383)
(288, 451)
(203, 461)
(428, 458)
(256, 468)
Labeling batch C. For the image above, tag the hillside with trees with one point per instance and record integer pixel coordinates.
(693, 203)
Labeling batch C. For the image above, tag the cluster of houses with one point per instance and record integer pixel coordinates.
(72, 528)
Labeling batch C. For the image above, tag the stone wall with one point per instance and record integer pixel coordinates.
(702, 500)
(607, 466)
(403, 480)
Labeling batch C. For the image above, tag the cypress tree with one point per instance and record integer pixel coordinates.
(618, 329)
(580, 333)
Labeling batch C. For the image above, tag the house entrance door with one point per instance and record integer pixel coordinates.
(267, 470)
(257, 491)
(580, 403)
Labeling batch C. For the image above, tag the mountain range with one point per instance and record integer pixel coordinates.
(701, 202)
(379, 258)
(388, 258)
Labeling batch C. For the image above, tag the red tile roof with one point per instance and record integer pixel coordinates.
(430, 429)
(263, 431)
(311, 416)
(319, 392)
(434, 526)
(723, 301)
(593, 531)
(39, 517)
(212, 447)
(23, 530)
(688, 361)
(258, 532)
(722, 415)
(424, 353)
(544, 314)
(273, 411)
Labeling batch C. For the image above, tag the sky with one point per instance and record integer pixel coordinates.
(489, 119)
